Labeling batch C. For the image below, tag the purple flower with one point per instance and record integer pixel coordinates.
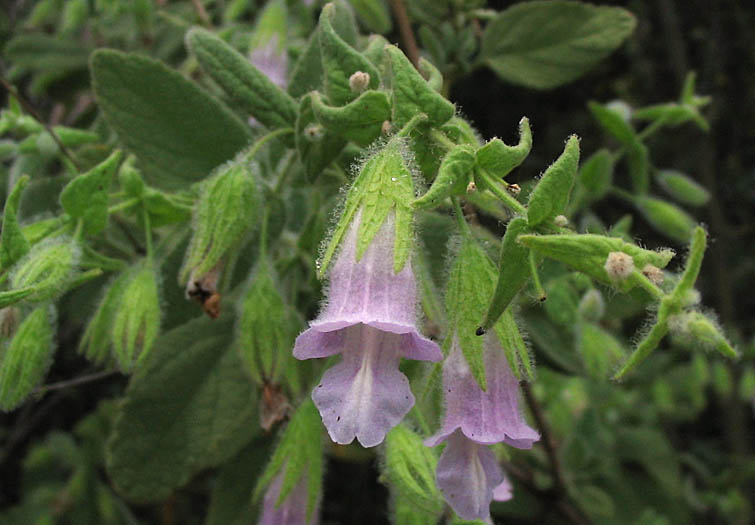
(271, 59)
(468, 474)
(369, 318)
(292, 510)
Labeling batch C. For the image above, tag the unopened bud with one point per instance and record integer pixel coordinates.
(204, 290)
(314, 132)
(560, 221)
(47, 268)
(514, 189)
(359, 81)
(471, 187)
(619, 266)
(592, 306)
(136, 323)
(653, 273)
(386, 128)
(694, 328)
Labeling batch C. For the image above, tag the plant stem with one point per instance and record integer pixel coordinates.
(60, 385)
(507, 199)
(252, 151)
(123, 205)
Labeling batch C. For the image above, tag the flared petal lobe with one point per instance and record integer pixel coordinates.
(467, 475)
(365, 395)
(292, 510)
(486, 417)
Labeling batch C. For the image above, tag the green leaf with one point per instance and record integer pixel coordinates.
(638, 162)
(96, 342)
(666, 218)
(177, 131)
(412, 94)
(453, 177)
(188, 408)
(317, 147)
(545, 44)
(682, 187)
(587, 253)
(374, 14)
(13, 243)
(244, 83)
(517, 353)
(431, 74)
(513, 271)
(498, 159)
(45, 53)
(340, 61)
(613, 123)
(86, 196)
(600, 350)
(26, 359)
(551, 195)
(596, 175)
(360, 121)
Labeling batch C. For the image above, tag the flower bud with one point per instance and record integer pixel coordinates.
(592, 306)
(359, 81)
(27, 358)
(619, 266)
(653, 273)
(136, 323)
(561, 221)
(225, 211)
(46, 268)
(695, 328)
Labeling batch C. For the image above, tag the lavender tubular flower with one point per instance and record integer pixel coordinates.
(370, 318)
(292, 510)
(468, 474)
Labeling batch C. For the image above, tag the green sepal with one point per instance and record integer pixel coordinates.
(360, 121)
(412, 94)
(96, 342)
(164, 208)
(513, 271)
(27, 358)
(244, 83)
(226, 210)
(47, 268)
(431, 73)
(299, 452)
(551, 195)
(13, 243)
(682, 187)
(697, 329)
(10, 297)
(410, 469)
(587, 253)
(514, 346)
(340, 61)
(499, 159)
(470, 285)
(136, 320)
(265, 327)
(384, 184)
(316, 146)
(666, 218)
(453, 177)
(86, 196)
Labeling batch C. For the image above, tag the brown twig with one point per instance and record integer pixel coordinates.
(405, 28)
(201, 12)
(560, 490)
(33, 112)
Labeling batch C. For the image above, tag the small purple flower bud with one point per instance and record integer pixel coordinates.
(370, 318)
(290, 511)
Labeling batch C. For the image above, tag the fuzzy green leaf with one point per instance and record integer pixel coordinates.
(360, 120)
(190, 407)
(613, 123)
(453, 177)
(666, 218)
(177, 131)
(26, 359)
(498, 159)
(551, 195)
(682, 187)
(513, 271)
(96, 341)
(431, 74)
(340, 61)
(244, 83)
(47, 268)
(587, 253)
(86, 196)
(13, 243)
(412, 94)
(545, 44)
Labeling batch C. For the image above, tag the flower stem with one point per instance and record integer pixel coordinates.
(252, 151)
(507, 199)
